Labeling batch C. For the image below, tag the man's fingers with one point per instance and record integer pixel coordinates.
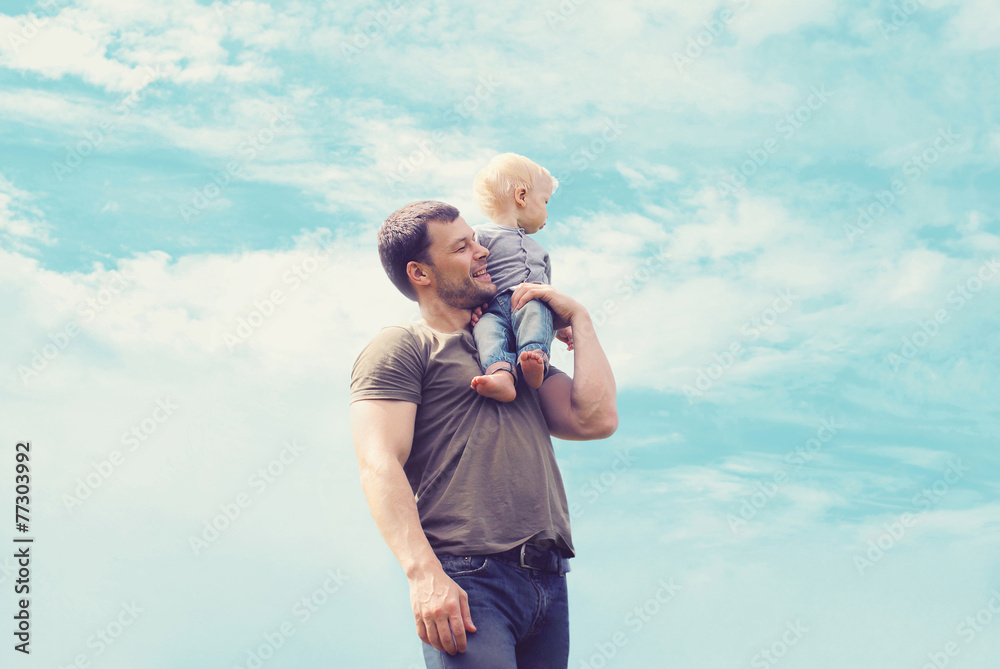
(463, 600)
(527, 295)
(519, 297)
(444, 633)
(515, 297)
(422, 631)
(432, 634)
(458, 629)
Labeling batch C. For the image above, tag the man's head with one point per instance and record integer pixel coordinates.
(511, 182)
(427, 249)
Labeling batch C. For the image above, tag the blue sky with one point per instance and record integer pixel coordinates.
(783, 217)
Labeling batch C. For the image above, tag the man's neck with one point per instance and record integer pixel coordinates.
(439, 316)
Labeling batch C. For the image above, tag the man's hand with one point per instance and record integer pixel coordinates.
(564, 308)
(565, 335)
(441, 609)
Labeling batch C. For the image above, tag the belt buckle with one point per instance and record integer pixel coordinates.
(527, 566)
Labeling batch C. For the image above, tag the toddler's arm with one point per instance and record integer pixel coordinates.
(478, 312)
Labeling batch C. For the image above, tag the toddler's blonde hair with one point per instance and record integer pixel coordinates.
(505, 174)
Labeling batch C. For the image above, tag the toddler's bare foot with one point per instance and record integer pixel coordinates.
(533, 367)
(497, 386)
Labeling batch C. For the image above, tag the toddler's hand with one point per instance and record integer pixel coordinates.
(478, 312)
(565, 335)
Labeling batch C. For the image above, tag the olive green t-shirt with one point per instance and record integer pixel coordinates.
(483, 472)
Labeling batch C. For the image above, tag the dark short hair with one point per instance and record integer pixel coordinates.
(403, 237)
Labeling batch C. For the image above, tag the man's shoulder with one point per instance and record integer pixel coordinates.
(390, 366)
(396, 329)
(411, 331)
(402, 338)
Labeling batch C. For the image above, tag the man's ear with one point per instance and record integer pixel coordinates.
(417, 273)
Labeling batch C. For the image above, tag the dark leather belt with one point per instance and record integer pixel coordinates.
(530, 556)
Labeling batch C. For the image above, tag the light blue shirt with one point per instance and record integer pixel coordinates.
(514, 256)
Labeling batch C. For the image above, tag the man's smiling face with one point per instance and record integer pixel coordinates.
(459, 265)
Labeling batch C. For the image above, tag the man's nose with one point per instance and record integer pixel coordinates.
(483, 251)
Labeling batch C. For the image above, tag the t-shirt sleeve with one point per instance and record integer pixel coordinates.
(390, 367)
(548, 270)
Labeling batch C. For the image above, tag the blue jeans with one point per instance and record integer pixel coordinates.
(502, 336)
(521, 616)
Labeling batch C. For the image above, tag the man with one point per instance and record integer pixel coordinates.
(464, 489)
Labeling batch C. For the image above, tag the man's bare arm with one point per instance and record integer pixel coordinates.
(383, 436)
(584, 407)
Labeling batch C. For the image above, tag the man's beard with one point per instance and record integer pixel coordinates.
(467, 294)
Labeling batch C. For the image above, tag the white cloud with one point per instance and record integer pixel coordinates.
(974, 25)
(747, 276)
(43, 109)
(737, 591)
(750, 225)
(182, 40)
(974, 236)
(919, 271)
(762, 20)
(619, 39)
(645, 176)
(61, 46)
(22, 224)
(919, 457)
(160, 335)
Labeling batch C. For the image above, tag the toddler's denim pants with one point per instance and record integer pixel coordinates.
(503, 336)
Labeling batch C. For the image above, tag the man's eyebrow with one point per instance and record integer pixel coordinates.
(459, 240)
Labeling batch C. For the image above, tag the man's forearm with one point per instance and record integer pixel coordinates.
(586, 406)
(394, 509)
(594, 396)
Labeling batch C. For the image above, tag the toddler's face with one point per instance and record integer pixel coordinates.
(535, 209)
